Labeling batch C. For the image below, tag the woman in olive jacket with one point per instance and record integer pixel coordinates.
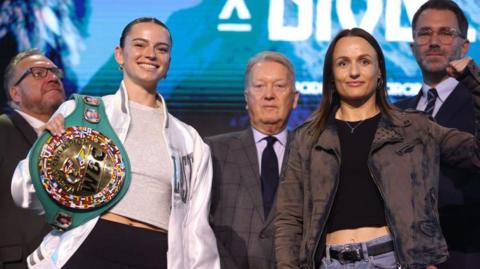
(361, 181)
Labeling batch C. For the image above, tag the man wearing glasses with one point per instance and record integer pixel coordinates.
(440, 44)
(34, 89)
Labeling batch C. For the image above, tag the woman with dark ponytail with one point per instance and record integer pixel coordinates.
(162, 220)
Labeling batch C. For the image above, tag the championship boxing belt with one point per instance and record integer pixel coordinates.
(83, 172)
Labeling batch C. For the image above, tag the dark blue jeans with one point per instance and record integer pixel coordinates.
(385, 261)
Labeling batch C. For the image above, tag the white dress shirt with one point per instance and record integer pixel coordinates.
(444, 89)
(36, 124)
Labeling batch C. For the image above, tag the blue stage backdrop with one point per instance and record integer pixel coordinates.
(213, 40)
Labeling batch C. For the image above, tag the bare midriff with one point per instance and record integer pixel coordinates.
(358, 235)
(131, 222)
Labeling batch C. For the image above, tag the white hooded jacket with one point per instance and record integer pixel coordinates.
(191, 241)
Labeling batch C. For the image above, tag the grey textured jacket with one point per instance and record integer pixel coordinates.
(404, 162)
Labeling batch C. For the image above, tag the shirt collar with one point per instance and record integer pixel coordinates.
(34, 122)
(444, 88)
(281, 137)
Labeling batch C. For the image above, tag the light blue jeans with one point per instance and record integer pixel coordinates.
(384, 261)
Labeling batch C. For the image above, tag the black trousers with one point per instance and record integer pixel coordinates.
(119, 246)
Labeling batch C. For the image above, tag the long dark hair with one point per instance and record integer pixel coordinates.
(330, 98)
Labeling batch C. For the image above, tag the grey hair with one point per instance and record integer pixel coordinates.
(270, 56)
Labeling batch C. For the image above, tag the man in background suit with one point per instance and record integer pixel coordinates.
(247, 164)
(33, 86)
(440, 44)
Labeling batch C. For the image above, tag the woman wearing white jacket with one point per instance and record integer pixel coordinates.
(167, 203)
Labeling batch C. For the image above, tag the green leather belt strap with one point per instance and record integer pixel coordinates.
(82, 173)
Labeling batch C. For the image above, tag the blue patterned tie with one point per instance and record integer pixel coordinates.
(269, 176)
(431, 98)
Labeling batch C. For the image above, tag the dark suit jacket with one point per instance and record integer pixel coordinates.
(21, 230)
(459, 191)
(244, 235)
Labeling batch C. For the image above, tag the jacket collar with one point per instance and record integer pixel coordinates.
(457, 100)
(23, 127)
(388, 131)
(122, 98)
(248, 144)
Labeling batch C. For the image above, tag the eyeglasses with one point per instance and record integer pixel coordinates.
(445, 35)
(39, 72)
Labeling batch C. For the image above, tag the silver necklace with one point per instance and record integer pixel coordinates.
(352, 128)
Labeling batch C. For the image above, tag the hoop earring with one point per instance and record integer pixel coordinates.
(379, 83)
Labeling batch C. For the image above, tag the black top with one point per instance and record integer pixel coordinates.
(358, 202)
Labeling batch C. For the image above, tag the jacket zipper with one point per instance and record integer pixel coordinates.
(387, 217)
(330, 205)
